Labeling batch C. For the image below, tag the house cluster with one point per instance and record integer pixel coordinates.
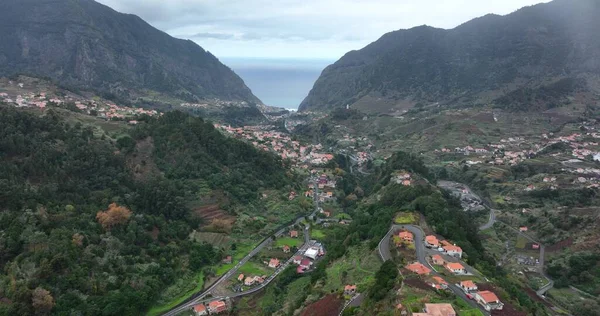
(212, 308)
(107, 110)
(311, 254)
(326, 186)
(216, 103)
(487, 299)
(281, 144)
(251, 280)
(402, 177)
(443, 246)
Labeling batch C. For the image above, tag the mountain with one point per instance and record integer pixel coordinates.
(476, 62)
(85, 45)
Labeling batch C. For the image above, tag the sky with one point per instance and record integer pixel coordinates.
(301, 29)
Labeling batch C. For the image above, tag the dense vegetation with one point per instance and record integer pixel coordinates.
(80, 235)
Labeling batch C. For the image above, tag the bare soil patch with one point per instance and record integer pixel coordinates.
(329, 305)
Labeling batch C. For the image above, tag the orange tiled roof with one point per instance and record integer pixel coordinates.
(468, 284)
(454, 266)
(488, 297)
(418, 268)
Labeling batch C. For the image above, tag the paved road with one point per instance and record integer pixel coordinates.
(233, 271)
(491, 220)
(384, 253)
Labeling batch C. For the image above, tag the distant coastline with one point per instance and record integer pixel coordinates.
(278, 82)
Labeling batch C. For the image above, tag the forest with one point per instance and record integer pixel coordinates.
(80, 235)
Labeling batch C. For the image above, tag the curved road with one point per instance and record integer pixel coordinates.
(384, 253)
(233, 271)
(490, 222)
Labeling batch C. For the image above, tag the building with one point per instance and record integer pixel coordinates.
(456, 268)
(438, 283)
(418, 268)
(523, 229)
(406, 236)
(431, 242)
(305, 263)
(441, 309)
(286, 249)
(294, 233)
(349, 289)
(488, 300)
(249, 281)
(200, 310)
(241, 277)
(312, 253)
(216, 307)
(467, 286)
(453, 251)
(227, 260)
(297, 259)
(274, 263)
(438, 260)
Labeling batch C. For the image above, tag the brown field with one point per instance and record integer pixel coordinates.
(215, 219)
(329, 305)
(560, 245)
(418, 284)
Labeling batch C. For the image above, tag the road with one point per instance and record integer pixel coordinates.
(233, 271)
(419, 237)
(491, 220)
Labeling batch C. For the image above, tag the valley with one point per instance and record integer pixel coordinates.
(433, 172)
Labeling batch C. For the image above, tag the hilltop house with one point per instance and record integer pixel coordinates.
(439, 309)
(406, 236)
(349, 289)
(453, 251)
(456, 268)
(216, 307)
(438, 283)
(438, 260)
(488, 300)
(274, 263)
(467, 286)
(431, 242)
(200, 310)
(418, 268)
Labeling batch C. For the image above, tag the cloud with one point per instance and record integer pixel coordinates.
(202, 35)
(301, 28)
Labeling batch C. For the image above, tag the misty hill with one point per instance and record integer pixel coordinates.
(524, 53)
(86, 45)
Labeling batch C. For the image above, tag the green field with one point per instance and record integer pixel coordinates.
(470, 312)
(521, 242)
(358, 267)
(280, 242)
(317, 234)
(254, 268)
(406, 218)
(198, 284)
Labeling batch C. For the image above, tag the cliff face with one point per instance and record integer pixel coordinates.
(84, 44)
(528, 49)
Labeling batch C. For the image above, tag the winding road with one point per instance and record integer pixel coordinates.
(201, 297)
(384, 253)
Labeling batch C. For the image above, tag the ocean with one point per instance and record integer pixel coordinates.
(278, 82)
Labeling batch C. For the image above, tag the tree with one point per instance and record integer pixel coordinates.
(42, 301)
(114, 215)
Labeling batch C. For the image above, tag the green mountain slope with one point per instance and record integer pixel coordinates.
(476, 62)
(84, 44)
(64, 249)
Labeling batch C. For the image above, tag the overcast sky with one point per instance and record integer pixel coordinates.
(301, 28)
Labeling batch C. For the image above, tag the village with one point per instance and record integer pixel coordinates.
(20, 95)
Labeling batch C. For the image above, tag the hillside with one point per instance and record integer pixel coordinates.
(478, 62)
(82, 44)
(96, 216)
